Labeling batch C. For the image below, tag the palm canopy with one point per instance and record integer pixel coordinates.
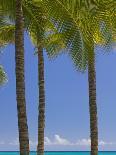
(3, 77)
(82, 24)
(40, 29)
(73, 22)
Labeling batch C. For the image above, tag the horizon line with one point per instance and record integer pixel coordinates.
(63, 151)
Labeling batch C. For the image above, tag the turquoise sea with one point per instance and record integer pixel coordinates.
(62, 153)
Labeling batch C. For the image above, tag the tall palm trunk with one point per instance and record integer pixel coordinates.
(41, 108)
(93, 105)
(20, 80)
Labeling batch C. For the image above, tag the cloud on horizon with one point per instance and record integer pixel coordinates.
(59, 141)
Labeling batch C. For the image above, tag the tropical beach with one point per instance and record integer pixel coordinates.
(57, 77)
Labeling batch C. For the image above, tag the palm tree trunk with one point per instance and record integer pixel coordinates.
(41, 108)
(93, 105)
(20, 80)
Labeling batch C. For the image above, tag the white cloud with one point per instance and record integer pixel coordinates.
(47, 141)
(102, 143)
(58, 140)
(61, 141)
(84, 142)
(14, 142)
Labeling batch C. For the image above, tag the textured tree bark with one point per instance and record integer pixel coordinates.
(41, 108)
(93, 105)
(20, 80)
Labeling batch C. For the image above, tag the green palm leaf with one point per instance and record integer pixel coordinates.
(81, 22)
(7, 35)
(3, 77)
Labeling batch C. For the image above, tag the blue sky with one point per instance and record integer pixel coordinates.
(67, 114)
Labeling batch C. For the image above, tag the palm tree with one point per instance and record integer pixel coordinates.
(20, 80)
(11, 12)
(15, 35)
(83, 24)
(43, 35)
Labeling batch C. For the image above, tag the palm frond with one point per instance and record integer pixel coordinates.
(3, 77)
(7, 35)
(7, 9)
(54, 44)
(66, 24)
(80, 23)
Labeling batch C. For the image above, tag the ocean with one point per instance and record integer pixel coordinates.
(62, 153)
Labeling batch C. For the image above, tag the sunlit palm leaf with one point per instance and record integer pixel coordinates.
(81, 22)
